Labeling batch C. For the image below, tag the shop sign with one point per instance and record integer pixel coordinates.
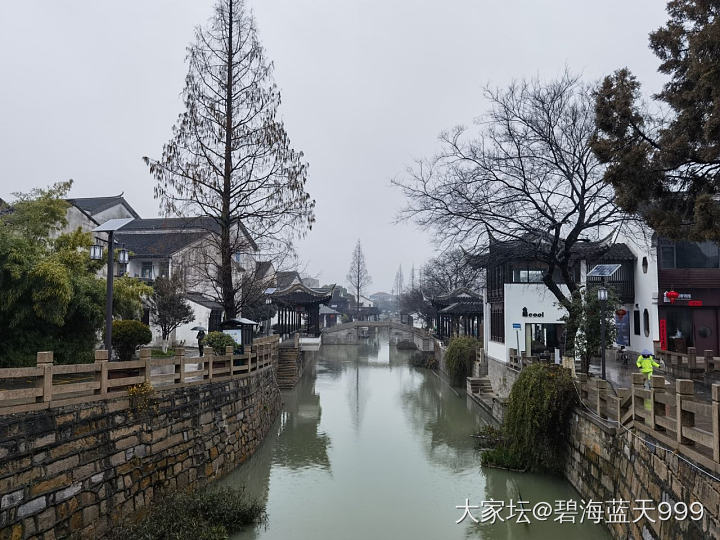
(526, 314)
(695, 303)
(680, 296)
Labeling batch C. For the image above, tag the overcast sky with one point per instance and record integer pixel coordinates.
(88, 87)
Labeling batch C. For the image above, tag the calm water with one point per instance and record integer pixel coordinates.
(370, 448)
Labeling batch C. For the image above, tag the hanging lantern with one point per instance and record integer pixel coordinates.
(96, 252)
(672, 296)
(123, 255)
(621, 313)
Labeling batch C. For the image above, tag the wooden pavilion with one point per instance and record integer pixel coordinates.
(459, 313)
(299, 308)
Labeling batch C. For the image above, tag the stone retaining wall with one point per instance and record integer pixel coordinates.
(604, 465)
(83, 468)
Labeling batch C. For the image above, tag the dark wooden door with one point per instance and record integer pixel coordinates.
(705, 330)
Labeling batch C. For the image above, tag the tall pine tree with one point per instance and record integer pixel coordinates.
(666, 167)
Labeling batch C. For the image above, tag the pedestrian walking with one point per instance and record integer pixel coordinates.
(646, 362)
(201, 341)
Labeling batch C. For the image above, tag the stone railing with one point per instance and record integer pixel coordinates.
(49, 385)
(675, 417)
(689, 364)
(519, 361)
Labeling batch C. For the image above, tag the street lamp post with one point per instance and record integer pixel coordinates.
(110, 227)
(602, 296)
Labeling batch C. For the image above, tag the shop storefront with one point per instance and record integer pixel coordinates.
(692, 320)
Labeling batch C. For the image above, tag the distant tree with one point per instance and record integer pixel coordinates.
(168, 306)
(398, 284)
(51, 298)
(529, 177)
(450, 271)
(230, 158)
(666, 166)
(414, 301)
(128, 295)
(358, 276)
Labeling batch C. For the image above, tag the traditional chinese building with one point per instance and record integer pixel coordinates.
(299, 308)
(459, 313)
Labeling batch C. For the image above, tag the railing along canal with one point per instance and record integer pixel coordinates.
(50, 385)
(674, 415)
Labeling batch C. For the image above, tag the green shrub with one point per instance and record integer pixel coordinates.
(218, 341)
(127, 335)
(537, 420)
(459, 358)
(202, 515)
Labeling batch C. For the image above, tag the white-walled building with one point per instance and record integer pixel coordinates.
(522, 313)
(161, 247)
(669, 294)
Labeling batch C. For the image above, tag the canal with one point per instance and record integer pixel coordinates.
(369, 447)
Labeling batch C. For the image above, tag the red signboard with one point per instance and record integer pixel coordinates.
(663, 334)
(695, 303)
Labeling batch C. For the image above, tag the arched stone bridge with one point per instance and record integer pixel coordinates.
(348, 333)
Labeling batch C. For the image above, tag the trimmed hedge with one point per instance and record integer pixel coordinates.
(127, 335)
(217, 341)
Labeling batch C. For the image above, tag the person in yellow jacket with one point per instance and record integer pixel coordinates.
(646, 362)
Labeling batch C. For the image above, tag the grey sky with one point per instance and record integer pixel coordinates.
(89, 87)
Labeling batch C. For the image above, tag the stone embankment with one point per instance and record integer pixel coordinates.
(618, 451)
(82, 468)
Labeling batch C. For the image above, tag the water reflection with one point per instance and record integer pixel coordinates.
(299, 443)
(368, 447)
(442, 424)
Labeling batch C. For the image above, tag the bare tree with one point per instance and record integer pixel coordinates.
(230, 158)
(450, 271)
(357, 275)
(529, 176)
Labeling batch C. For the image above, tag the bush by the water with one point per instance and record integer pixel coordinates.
(217, 341)
(459, 358)
(127, 335)
(537, 420)
(202, 515)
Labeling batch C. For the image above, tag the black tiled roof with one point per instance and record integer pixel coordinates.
(263, 267)
(198, 223)
(203, 300)
(95, 205)
(154, 245)
(204, 224)
(285, 279)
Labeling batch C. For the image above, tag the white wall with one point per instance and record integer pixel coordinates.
(646, 288)
(537, 298)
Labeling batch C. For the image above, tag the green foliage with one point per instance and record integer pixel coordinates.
(127, 335)
(664, 165)
(50, 295)
(537, 420)
(128, 295)
(459, 358)
(218, 341)
(203, 515)
(158, 353)
(168, 306)
(587, 310)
